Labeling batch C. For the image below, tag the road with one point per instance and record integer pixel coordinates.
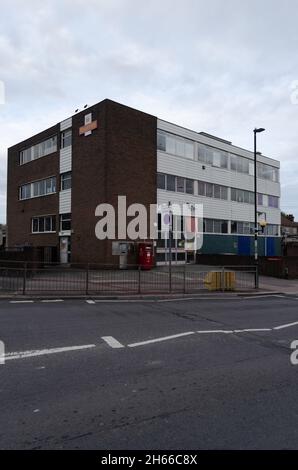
(183, 374)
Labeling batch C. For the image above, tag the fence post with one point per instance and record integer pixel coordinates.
(223, 279)
(256, 277)
(139, 279)
(184, 279)
(24, 278)
(87, 279)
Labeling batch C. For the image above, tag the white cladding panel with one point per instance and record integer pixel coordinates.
(65, 201)
(219, 209)
(65, 159)
(179, 166)
(66, 124)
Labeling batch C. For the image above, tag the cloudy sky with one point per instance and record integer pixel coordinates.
(221, 66)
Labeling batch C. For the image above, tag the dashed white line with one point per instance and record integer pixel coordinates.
(252, 330)
(158, 340)
(42, 352)
(21, 301)
(287, 325)
(89, 301)
(112, 342)
(215, 331)
(51, 300)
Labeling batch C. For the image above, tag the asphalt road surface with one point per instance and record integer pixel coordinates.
(191, 374)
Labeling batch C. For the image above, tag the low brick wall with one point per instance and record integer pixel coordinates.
(279, 266)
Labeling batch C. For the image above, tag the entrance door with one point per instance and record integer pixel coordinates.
(64, 250)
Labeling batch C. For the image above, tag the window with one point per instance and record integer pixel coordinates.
(215, 226)
(171, 180)
(240, 164)
(212, 156)
(65, 222)
(272, 230)
(39, 150)
(45, 224)
(161, 141)
(25, 191)
(201, 188)
(224, 192)
(161, 181)
(66, 138)
(209, 190)
(38, 188)
(260, 199)
(273, 201)
(180, 185)
(267, 172)
(216, 191)
(246, 228)
(66, 181)
(212, 190)
(175, 145)
(240, 195)
(175, 183)
(189, 186)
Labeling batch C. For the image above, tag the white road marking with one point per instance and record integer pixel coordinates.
(158, 340)
(89, 301)
(215, 331)
(112, 342)
(261, 296)
(21, 301)
(52, 300)
(248, 330)
(43, 352)
(285, 326)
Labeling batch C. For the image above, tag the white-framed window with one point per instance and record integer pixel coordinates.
(241, 195)
(242, 228)
(43, 224)
(212, 156)
(65, 222)
(175, 183)
(267, 172)
(212, 190)
(215, 226)
(38, 188)
(175, 145)
(39, 150)
(65, 180)
(66, 138)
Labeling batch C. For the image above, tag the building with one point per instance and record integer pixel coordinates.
(289, 228)
(289, 232)
(2, 236)
(57, 178)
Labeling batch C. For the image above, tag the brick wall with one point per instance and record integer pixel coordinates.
(19, 213)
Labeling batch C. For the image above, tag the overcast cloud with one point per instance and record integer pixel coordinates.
(219, 66)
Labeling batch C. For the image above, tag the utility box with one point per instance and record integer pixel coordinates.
(220, 280)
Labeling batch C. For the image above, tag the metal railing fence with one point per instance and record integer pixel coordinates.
(90, 279)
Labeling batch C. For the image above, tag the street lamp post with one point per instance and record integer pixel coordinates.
(256, 131)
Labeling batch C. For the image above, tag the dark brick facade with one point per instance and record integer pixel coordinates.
(20, 213)
(118, 158)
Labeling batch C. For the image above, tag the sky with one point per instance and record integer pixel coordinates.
(219, 66)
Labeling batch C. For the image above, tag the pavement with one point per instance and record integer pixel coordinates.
(286, 286)
(155, 374)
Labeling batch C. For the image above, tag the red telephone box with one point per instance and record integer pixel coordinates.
(145, 255)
